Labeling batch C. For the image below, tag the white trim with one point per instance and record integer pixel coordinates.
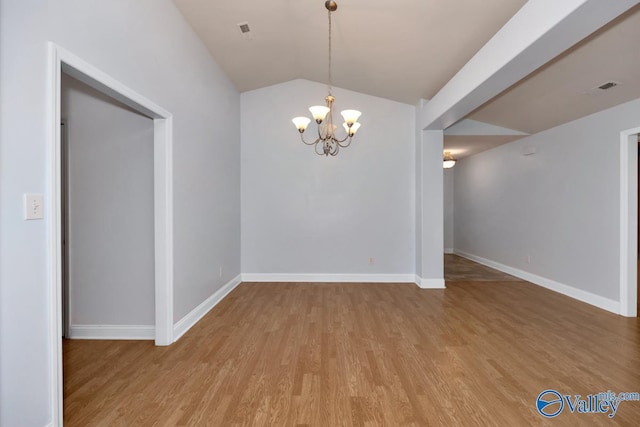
(629, 222)
(66, 300)
(54, 238)
(570, 291)
(429, 283)
(449, 251)
(163, 170)
(102, 82)
(328, 278)
(188, 321)
(63, 60)
(112, 332)
(163, 228)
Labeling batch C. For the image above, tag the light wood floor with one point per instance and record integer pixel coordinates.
(477, 353)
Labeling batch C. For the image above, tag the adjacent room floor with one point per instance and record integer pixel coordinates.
(458, 269)
(280, 354)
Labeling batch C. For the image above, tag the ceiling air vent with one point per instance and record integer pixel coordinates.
(245, 30)
(607, 85)
(598, 90)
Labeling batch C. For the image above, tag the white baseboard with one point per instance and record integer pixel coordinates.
(345, 278)
(187, 322)
(329, 278)
(112, 332)
(429, 283)
(449, 251)
(570, 291)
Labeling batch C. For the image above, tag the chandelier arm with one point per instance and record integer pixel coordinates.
(308, 143)
(340, 141)
(320, 137)
(347, 144)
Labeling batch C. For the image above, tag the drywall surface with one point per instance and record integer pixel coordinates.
(448, 177)
(110, 209)
(149, 47)
(308, 214)
(430, 212)
(418, 178)
(554, 213)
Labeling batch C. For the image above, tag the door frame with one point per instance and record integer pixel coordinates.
(64, 206)
(629, 222)
(61, 60)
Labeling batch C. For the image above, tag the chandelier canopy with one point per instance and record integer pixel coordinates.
(327, 143)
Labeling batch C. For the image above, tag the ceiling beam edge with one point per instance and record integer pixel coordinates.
(537, 33)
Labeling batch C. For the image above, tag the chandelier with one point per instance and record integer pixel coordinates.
(327, 143)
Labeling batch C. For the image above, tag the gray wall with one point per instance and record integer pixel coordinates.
(559, 206)
(111, 213)
(448, 177)
(148, 46)
(304, 213)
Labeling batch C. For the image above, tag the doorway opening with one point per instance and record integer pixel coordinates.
(629, 239)
(61, 61)
(107, 217)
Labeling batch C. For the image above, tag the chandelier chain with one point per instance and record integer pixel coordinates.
(330, 83)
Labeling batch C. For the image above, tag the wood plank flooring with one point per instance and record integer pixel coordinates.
(278, 354)
(460, 269)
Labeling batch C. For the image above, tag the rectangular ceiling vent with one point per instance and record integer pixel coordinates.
(608, 85)
(245, 30)
(598, 90)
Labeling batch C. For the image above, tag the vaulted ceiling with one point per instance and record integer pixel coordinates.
(405, 50)
(402, 50)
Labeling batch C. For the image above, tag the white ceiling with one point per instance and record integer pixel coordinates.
(562, 90)
(461, 146)
(402, 50)
(405, 50)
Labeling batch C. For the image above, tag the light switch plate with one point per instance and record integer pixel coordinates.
(33, 206)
